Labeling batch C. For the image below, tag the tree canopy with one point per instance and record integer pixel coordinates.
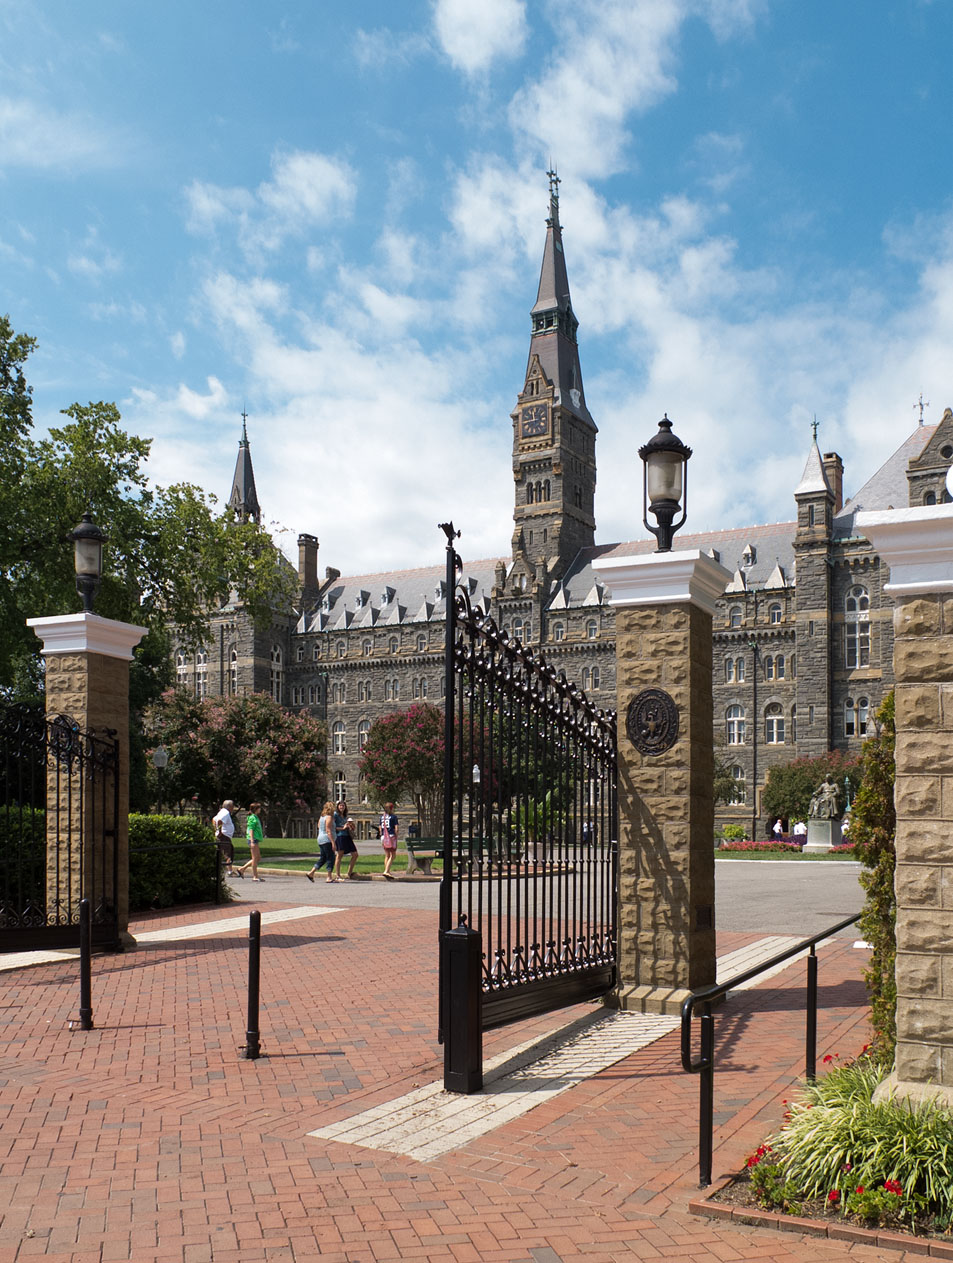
(249, 749)
(788, 789)
(169, 558)
(403, 758)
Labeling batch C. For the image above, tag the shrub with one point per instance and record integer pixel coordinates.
(779, 848)
(23, 854)
(172, 860)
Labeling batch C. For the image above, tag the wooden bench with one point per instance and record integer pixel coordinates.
(421, 853)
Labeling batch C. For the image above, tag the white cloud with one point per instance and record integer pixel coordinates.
(177, 344)
(33, 135)
(306, 190)
(377, 49)
(473, 35)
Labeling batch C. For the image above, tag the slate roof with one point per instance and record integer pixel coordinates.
(887, 488)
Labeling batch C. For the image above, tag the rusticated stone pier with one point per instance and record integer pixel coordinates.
(917, 545)
(664, 604)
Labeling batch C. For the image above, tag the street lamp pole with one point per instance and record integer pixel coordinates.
(753, 646)
(160, 761)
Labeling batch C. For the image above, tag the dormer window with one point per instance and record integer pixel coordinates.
(749, 556)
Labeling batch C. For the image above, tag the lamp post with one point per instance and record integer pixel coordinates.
(160, 761)
(664, 480)
(753, 646)
(87, 540)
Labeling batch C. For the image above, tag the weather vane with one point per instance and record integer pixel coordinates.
(814, 427)
(921, 405)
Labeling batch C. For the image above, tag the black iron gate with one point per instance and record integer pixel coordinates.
(529, 891)
(59, 805)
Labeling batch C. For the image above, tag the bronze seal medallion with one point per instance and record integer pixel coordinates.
(651, 721)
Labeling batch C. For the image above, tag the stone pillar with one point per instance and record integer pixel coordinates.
(917, 545)
(664, 604)
(87, 678)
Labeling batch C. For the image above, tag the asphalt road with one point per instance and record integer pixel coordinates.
(756, 896)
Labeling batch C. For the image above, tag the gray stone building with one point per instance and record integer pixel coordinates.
(802, 645)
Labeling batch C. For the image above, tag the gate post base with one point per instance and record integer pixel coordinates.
(645, 999)
(463, 1010)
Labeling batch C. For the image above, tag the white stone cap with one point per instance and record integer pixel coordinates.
(690, 577)
(917, 545)
(87, 633)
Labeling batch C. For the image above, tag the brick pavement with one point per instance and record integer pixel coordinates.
(148, 1139)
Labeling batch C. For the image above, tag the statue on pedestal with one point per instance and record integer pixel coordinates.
(826, 802)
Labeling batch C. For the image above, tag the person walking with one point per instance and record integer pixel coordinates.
(255, 837)
(224, 832)
(388, 837)
(325, 844)
(343, 840)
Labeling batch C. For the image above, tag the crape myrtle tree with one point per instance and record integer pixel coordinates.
(790, 787)
(169, 558)
(403, 759)
(249, 749)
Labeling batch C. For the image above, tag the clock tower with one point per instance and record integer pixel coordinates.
(554, 437)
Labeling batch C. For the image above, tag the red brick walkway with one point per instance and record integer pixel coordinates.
(148, 1139)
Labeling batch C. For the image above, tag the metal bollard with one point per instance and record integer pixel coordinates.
(252, 1048)
(462, 1010)
(85, 966)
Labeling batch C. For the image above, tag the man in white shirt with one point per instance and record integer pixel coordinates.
(224, 832)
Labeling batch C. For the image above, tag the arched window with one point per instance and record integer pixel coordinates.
(592, 629)
(421, 643)
(739, 793)
(769, 667)
(774, 613)
(735, 725)
(387, 690)
(930, 498)
(857, 627)
(595, 677)
(559, 631)
(363, 730)
(415, 686)
(393, 645)
(276, 673)
(529, 493)
(182, 669)
(312, 694)
(201, 674)
(779, 666)
(299, 653)
(740, 670)
(546, 489)
(774, 724)
(340, 787)
(793, 665)
(341, 648)
(315, 652)
(518, 629)
(366, 647)
(729, 670)
(734, 616)
(423, 686)
(233, 671)
(339, 738)
(586, 679)
(856, 715)
(395, 689)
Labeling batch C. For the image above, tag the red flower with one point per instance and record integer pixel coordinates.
(892, 1186)
(833, 1196)
(860, 1188)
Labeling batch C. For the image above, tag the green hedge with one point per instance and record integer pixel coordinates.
(23, 855)
(172, 860)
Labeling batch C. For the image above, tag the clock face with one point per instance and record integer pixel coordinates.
(534, 420)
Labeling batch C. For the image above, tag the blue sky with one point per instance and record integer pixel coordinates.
(334, 215)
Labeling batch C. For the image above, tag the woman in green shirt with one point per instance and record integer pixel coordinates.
(254, 835)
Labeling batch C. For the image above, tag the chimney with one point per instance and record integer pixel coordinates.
(834, 469)
(308, 562)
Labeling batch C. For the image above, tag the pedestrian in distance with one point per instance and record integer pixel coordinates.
(344, 840)
(224, 826)
(255, 837)
(778, 831)
(325, 844)
(389, 824)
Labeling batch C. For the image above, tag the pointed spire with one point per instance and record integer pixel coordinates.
(814, 479)
(243, 500)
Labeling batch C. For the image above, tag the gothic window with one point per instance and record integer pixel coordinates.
(559, 631)
(735, 725)
(779, 666)
(366, 648)
(421, 643)
(774, 613)
(729, 670)
(811, 515)
(930, 498)
(423, 686)
(275, 678)
(769, 667)
(546, 489)
(734, 616)
(315, 652)
(529, 493)
(182, 669)
(739, 793)
(387, 686)
(595, 677)
(297, 695)
(312, 694)
(201, 674)
(518, 629)
(393, 645)
(774, 724)
(592, 629)
(363, 731)
(233, 671)
(339, 738)
(740, 670)
(857, 627)
(586, 679)
(793, 665)
(416, 686)
(341, 648)
(299, 654)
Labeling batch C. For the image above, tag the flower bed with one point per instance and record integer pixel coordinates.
(771, 844)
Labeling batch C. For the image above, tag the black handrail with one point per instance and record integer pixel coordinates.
(705, 1066)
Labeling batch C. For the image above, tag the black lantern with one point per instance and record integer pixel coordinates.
(664, 479)
(160, 761)
(87, 540)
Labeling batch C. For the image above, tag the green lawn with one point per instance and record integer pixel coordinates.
(793, 856)
(299, 854)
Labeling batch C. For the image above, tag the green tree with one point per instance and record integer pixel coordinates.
(789, 787)
(873, 830)
(403, 758)
(246, 748)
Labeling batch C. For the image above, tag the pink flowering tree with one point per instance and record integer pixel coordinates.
(403, 758)
(245, 748)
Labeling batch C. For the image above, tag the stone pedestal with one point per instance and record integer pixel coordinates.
(664, 604)
(823, 836)
(87, 678)
(917, 545)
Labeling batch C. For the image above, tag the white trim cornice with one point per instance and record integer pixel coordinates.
(690, 577)
(87, 633)
(917, 545)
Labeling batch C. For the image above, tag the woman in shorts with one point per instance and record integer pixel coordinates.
(344, 840)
